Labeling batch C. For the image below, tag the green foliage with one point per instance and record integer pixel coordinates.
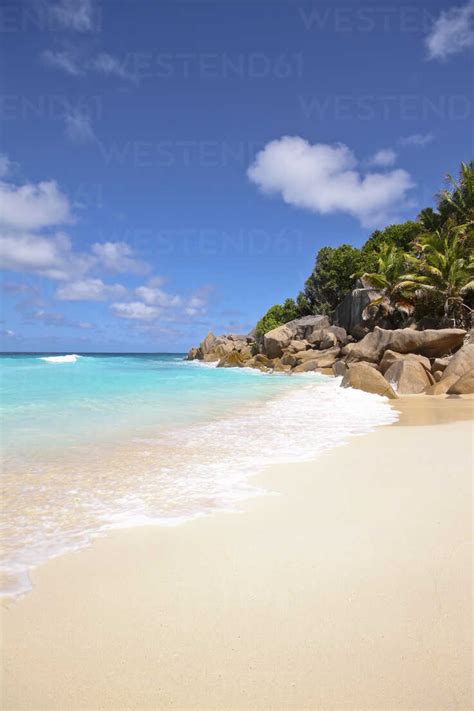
(332, 277)
(423, 268)
(277, 315)
(443, 266)
(400, 236)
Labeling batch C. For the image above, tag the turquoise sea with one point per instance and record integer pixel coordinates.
(96, 441)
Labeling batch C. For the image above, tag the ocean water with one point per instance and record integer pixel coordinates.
(94, 442)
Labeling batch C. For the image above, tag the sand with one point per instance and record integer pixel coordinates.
(351, 589)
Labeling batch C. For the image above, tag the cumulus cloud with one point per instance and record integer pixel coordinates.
(416, 139)
(384, 158)
(47, 255)
(118, 257)
(136, 310)
(154, 296)
(33, 206)
(324, 178)
(156, 304)
(76, 15)
(452, 33)
(89, 290)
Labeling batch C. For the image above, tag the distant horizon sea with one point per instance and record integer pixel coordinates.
(95, 441)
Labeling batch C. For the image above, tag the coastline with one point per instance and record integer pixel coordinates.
(351, 589)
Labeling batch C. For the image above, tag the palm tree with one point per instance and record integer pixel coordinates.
(444, 266)
(458, 204)
(394, 302)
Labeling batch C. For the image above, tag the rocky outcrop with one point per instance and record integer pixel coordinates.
(461, 363)
(430, 343)
(407, 377)
(278, 339)
(440, 364)
(275, 341)
(362, 377)
(350, 312)
(464, 385)
(232, 360)
(334, 335)
(339, 368)
(442, 386)
(207, 344)
(390, 357)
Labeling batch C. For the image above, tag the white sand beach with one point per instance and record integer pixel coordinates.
(350, 589)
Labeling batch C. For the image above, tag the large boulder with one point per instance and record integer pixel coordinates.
(339, 368)
(318, 359)
(298, 346)
(464, 385)
(276, 340)
(303, 327)
(194, 354)
(390, 357)
(208, 343)
(231, 360)
(440, 364)
(430, 343)
(320, 334)
(363, 377)
(350, 312)
(260, 362)
(407, 377)
(442, 386)
(280, 367)
(461, 363)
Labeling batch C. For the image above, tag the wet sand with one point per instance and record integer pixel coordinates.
(350, 589)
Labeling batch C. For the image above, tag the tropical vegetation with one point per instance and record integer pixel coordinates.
(422, 269)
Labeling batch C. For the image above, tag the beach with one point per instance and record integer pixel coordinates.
(351, 588)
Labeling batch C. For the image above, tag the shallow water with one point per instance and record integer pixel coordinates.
(95, 442)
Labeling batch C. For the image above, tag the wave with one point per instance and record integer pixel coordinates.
(72, 358)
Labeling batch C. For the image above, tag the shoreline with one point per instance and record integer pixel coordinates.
(351, 589)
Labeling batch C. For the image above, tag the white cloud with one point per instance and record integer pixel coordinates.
(6, 165)
(78, 127)
(416, 139)
(452, 32)
(66, 60)
(154, 296)
(324, 178)
(89, 290)
(118, 257)
(48, 255)
(384, 158)
(136, 310)
(75, 15)
(33, 206)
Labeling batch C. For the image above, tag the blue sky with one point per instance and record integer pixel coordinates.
(172, 167)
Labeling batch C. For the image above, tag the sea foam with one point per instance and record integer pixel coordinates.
(72, 358)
